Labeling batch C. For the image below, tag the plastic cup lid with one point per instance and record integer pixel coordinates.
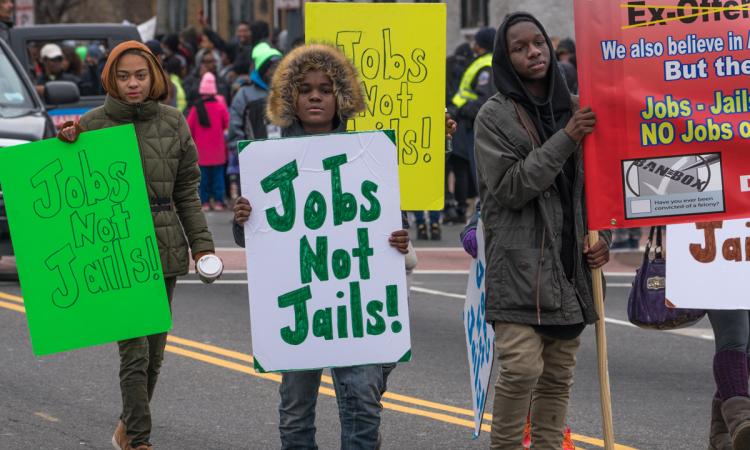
(210, 265)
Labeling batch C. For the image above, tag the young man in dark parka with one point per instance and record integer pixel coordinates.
(539, 293)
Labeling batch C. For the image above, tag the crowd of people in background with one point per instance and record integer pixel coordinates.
(242, 68)
(211, 78)
(219, 85)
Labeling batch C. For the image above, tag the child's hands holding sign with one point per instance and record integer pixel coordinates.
(242, 210)
(400, 241)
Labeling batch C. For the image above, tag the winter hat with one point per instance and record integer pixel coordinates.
(485, 38)
(463, 51)
(566, 46)
(95, 51)
(282, 97)
(208, 84)
(81, 52)
(263, 55)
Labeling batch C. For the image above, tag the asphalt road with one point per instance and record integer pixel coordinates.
(209, 397)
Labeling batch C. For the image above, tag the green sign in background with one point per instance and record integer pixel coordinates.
(84, 240)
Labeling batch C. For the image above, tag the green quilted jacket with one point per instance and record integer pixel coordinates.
(170, 166)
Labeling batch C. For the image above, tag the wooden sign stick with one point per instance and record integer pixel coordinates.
(601, 350)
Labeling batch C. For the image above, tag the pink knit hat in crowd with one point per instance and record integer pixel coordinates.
(208, 84)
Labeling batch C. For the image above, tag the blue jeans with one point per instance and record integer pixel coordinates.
(358, 393)
(419, 217)
(212, 183)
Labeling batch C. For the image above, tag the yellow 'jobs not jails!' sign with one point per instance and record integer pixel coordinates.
(399, 50)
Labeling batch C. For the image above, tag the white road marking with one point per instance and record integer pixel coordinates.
(697, 333)
(441, 272)
(434, 292)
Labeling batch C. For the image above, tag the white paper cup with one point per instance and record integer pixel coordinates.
(209, 268)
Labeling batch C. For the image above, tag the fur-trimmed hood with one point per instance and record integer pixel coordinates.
(282, 97)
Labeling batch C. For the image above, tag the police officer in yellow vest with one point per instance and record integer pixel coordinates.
(476, 88)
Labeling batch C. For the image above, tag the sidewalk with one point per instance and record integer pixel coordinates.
(448, 254)
(444, 255)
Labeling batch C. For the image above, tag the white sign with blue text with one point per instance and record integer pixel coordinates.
(479, 334)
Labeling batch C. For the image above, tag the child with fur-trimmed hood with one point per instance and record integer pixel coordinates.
(315, 90)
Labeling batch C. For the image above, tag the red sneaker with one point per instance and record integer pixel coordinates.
(568, 441)
(527, 434)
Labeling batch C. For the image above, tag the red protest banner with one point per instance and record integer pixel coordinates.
(667, 80)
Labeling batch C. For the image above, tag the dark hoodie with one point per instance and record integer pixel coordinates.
(549, 115)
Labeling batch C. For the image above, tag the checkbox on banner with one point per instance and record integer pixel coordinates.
(640, 206)
(744, 183)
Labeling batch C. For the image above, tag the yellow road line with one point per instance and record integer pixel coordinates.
(323, 390)
(13, 298)
(212, 349)
(246, 369)
(12, 306)
(387, 405)
(325, 379)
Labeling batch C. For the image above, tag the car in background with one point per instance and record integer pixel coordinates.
(23, 116)
(27, 42)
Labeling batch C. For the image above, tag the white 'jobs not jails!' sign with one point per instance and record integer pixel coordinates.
(326, 289)
(709, 264)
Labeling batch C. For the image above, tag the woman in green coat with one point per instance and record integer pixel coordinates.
(135, 84)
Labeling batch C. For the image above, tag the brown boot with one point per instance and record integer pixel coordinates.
(120, 439)
(718, 436)
(736, 412)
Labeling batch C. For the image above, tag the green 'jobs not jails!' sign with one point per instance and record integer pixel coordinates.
(84, 240)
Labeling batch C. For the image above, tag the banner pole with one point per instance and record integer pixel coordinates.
(601, 350)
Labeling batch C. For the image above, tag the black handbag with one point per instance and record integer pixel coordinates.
(647, 303)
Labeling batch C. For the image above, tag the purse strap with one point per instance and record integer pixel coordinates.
(658, 251)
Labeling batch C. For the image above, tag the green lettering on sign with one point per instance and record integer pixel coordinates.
(368, 190)
(323, 323)
(356, 309)
(376, 326)
(282, 180)
(315, 210)
(342, 264)
(362, 252)
(344, 203)
(313, 261)
(298, 299)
